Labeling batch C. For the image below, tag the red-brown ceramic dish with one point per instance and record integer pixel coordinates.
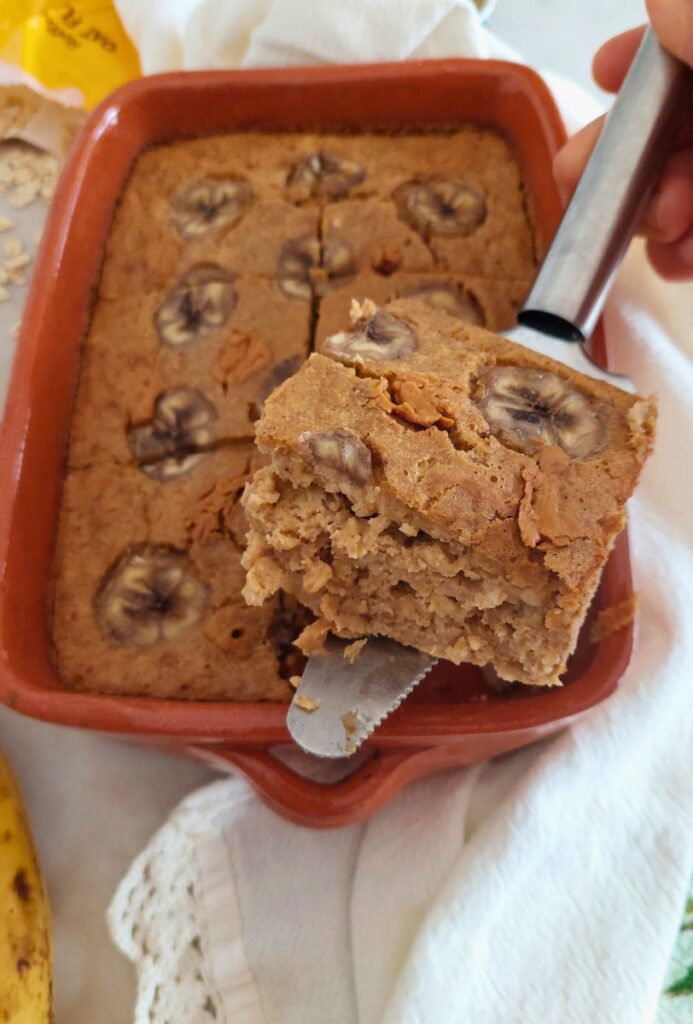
(444, 723)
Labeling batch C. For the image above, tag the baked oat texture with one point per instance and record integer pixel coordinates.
(147, 597)
(228, 259)
(434, 483)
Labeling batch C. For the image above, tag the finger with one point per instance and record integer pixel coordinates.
(569, 162)
(612, 60)
(672, 20)
(673, 262)
(670, 214)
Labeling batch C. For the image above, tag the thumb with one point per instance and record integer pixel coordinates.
(672, 20)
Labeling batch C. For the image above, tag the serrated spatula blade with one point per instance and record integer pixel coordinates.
(353, 698)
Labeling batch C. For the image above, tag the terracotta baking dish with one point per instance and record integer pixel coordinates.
(452, 718)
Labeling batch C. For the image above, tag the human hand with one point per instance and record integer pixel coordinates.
(668, 221)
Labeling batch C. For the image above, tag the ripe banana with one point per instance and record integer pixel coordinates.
(25, 943)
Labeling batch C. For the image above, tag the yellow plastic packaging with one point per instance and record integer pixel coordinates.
(79, 45)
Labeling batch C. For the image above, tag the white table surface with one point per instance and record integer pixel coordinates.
(93, 803)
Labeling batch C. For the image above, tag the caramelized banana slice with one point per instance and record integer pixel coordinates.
(341, 451)
(176, 438)
(324, 174)
(441, 207)
(202, 301)
(449, 298)
(150, 596)
(338, 263)
(298, 263)
(376, 334)
(301, 273)
(172, 467)
(209, 205)
(526, 409)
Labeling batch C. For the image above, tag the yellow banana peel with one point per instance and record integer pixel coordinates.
(25, 942)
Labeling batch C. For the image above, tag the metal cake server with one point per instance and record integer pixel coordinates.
(348, 701)
(353, 699)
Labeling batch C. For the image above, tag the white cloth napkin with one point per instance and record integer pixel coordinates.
(260, 33)
(546, 886)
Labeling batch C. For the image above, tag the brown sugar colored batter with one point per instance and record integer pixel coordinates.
(228, 260)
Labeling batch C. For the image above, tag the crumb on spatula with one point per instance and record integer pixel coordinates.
(306, 703)
(351, 721)
(352, 651)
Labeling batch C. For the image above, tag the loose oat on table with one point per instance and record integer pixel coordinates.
(15, 260)
(26, 173)
(11, 247)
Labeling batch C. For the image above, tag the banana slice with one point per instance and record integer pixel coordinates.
(209, 205)
(449, 298)
(324, 174)
(441, 207)
(338, 263)
(526, 409)
(175, 440)
(376, 334)
(299, 261)
(151, 595)
(342, 451)
(202, 301)
(302, 274)
(172, 467)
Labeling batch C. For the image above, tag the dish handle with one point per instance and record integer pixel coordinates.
(330, 805)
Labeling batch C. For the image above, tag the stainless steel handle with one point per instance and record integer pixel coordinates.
(607, 205)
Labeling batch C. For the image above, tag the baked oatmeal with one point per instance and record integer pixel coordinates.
(147, 600)
(227, 259)
(434, 483)
(482, 301)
